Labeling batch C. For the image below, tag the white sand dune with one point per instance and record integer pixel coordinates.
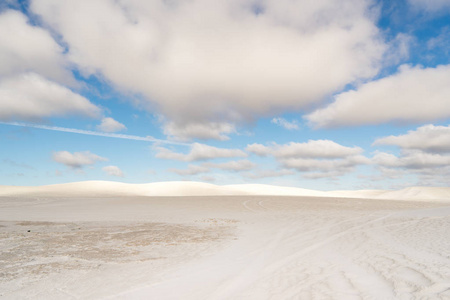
(110, 189)
(107, 240)
(272, 190)
(189, 188)
(418, 193)
(410, 194)
(364, 194)
(171, 188)
(223, 247)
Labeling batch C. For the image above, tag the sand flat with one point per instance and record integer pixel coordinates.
(223, 247)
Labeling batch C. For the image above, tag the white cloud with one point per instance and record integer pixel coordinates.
(430, 168)
(110, 125)
(235, 165)
(327, 174)
(27, 48)
(258, 174)
(199, 152)
(220, 55)
(113, 171)
(191, 170)
(34, 73)
(293, 125)
(439, 177)
(431, 5)
(76, 160)
(411, 95)
(399, 48)
(207, 178)
(7, 4)
(412, 159)
(188, 131)
(343, 165)
(310, 149)
(315, 158)
(259, 149)
(30, 96)
(425, 153)
(440, 42)
(427, 138)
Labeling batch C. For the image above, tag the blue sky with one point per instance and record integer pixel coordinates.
(327, 95)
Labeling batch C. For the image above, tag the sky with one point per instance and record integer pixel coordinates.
(325, 94)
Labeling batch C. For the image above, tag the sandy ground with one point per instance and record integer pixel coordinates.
(223, 247)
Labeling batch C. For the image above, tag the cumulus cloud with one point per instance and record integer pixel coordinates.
(30, 96)
(324, 168)
(399, 49)
(26, 48)
(34, 74)
(199, 152)
(191, 170)
(259, 149)
(424, 152)
(414, 94)
(315, 158)
(8, 4)
(441, 41)
(110, 125)
(431, 5)
(343, 165)
(428, 138)
(235, 165)
(233, 61)
(207, 178)
(412, 160)
(113, 171)
(188, 131)
(310, 149)
(293, 125)
(433, 177)
(76, 160)
(258, 174)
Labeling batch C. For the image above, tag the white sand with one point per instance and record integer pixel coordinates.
(265, 189)
(189, 188)
(86, 244)
(410, 194)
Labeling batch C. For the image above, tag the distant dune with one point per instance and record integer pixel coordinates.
(265, 189)
(411, 193)
(189, 188)
(419, 193)
(108, 189)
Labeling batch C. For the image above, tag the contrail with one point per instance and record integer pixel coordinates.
(96, 133)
